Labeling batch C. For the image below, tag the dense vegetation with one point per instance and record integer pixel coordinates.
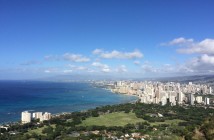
(154, 121)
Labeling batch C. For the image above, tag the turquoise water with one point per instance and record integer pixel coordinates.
(17, 96)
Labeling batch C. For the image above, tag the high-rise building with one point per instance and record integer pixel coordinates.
(26, 117)
(191, 99)
(211, 91)
(46, 116)
(172, 100)
(199, 99)
(37, 115)
(207, 100)
(180, 97)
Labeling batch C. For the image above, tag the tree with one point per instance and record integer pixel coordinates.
(94, 114)
(47, 130)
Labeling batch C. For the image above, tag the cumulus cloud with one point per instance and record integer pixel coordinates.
(176, 69)
(68, 57)
(75, 57)
(136, 62)
(106, 70)
(97, 51)
(148, 68)
(207, 59)
(179, 41)
(73, 67)
(47, 71)
(118, 54)
(103, 67)
(198, 65)
(204, 47)
(67, 71)
(51, 70)
(167, 69)
(121, 69)
(203, 63)
(189, 46)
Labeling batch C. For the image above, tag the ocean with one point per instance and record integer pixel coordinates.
(18, 96)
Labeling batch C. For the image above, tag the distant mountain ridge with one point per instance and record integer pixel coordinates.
(194, 78)
(87, 77)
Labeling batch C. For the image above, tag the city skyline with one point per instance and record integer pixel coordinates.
(120, 38)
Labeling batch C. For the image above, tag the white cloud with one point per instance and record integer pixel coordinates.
(136, 62)
(67, 57)
(206, 46)
(189, 46)
(103, 67)
(77, 68)
(148, 68)
(91, 71)
(203, 63)
(121, 69)
(207, 59)
(117, 54)
(67, 71)
(47, 71)
(169, 70)
(51, 70)
(106, 70)
(98, 64)
(180, 41)
(97, 51)
(75, 57)
(198, 65)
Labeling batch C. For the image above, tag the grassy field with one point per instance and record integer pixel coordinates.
(121, 119)
(175, 121)
(38, 130)
(112, 119)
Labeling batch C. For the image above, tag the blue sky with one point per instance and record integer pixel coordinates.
(140, 38)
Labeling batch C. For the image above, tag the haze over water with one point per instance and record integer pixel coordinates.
(17, 96)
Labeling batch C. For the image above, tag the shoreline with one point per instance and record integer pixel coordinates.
(9, 123)
(134, 101)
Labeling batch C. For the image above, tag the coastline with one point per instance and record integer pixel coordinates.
(17, 121)
(126, 94)
(103, 88)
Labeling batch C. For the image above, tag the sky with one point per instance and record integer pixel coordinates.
(124, 38)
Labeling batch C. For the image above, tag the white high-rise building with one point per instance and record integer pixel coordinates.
(191, 99)
(163, 101)
(199, 99)
(46, 116)
(172, 100)
(207, 100)
(26, 117)
(180, 97)
(37, 115)
(211, 91)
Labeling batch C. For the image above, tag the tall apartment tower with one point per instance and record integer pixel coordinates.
(46, 116)
(191, 99)
(26, 117)
(207, 100)
(37, 115)
(180, 97)
(210, 90)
